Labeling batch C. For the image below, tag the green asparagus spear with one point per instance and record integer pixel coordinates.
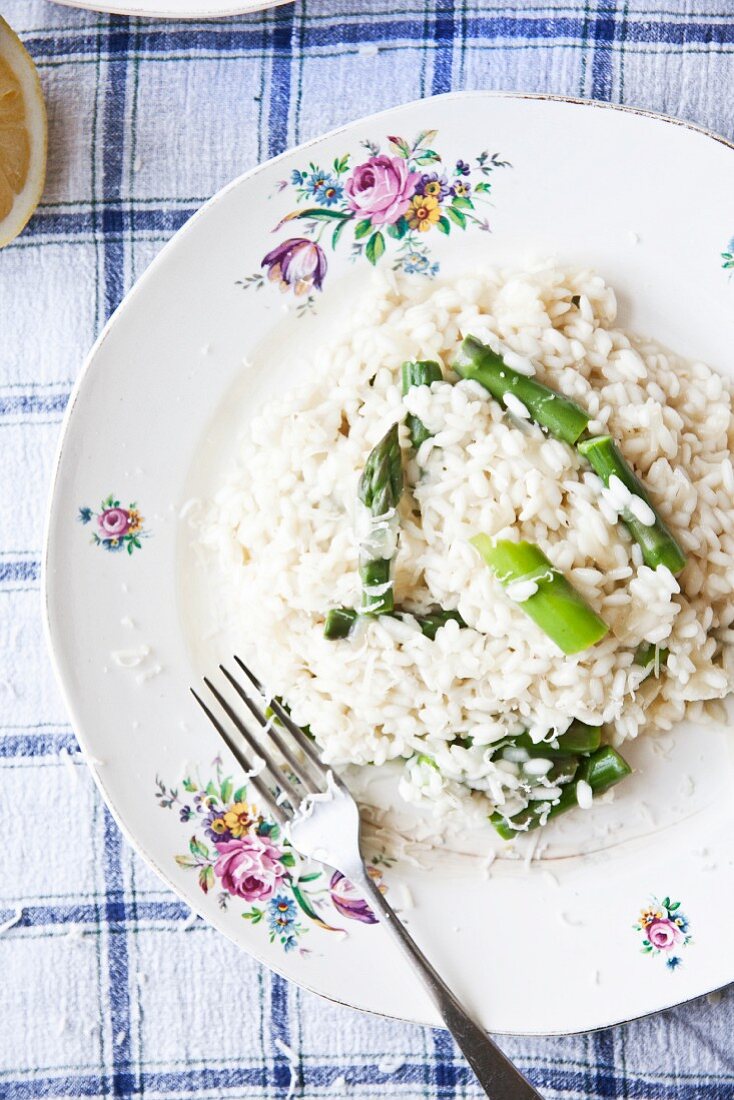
(656, 542)
(380, 489)
(340, 621)
(651, 656)
(601, 770)
(561, 417)
(577, 740)
(419, 373)
(552, 603)
(431, 623)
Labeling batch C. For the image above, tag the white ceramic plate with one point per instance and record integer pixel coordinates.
(175, 9)
(154, 418)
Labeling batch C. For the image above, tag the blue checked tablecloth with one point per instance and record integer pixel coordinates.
(106, 987)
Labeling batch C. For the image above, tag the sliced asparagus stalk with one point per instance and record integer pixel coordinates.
(419, 372)
(340, 621)
(561, 417)
(432, 622)
(577, 740)
(542, 592)
(649, 655)
(380, 489)
(656, 542)
(601, 770)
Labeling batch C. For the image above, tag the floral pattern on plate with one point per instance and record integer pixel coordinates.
(242, 855)
(115, 528)
(727, 256)
(665, 930)
(391, 199)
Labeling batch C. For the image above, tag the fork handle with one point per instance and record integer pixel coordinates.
(496, 1074)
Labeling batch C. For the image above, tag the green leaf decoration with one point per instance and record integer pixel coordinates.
(427, 157)
(288, 859)
(211, 790)
(424, 137)
(310, 877)
(444, 225)
(315, 213)
(483, 188)
(255, 915)
(206, 878)
(461, 203)
(666, 903)
(672, 906)
(240, 794)
(226, 789)
(304, 903)
(185, 861)
(375, 247)
(398, 230)
(130, 546)
(338, 230)
(341, 164)
(189, 785)
(198, 848)
(400, 146)
(361, 229)
(456, 217)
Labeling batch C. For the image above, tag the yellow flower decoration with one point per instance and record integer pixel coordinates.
(424, 212)
(218, 826)
(460, 189)
(433, 189)
(135, 520)
(238, 819)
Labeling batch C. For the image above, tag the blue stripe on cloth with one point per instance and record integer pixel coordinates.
(118, 41)
(446, 1074)
(280, 81)
(280, 1030)
(174, 1084)
(115, 912)
(36, 744)
(481, 29)
(58, 915)
(444, 27)
(117, 220)
(19, 570)
(603, 34)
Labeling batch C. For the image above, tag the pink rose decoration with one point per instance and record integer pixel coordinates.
(663, 934)
(249, 867)
(381, 189)
(114, 522)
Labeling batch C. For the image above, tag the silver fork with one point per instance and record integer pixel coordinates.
(315, 808)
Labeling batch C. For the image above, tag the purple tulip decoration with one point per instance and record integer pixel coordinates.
(297, 263)
(348, 902)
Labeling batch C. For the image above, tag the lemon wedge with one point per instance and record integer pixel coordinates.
(23, 135)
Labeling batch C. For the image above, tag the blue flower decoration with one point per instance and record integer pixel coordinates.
(85, 515)
(281, 914)
(185, 814)
(673, 962)
(415, 263)
(297, 178)
(325, 189)
(462, 168)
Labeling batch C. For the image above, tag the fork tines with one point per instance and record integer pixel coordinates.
(294, 781)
